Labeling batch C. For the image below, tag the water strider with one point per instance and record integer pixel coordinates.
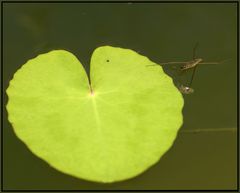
(193, 63)
(190, 65)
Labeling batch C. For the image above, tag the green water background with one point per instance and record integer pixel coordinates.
(162, 32)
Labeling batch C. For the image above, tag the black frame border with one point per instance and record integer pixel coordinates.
(126, 1)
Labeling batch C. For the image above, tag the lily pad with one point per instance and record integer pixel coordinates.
(113, 130)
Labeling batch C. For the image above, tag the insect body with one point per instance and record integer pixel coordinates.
(191, 64)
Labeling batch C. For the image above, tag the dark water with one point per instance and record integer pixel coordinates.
(162, 32)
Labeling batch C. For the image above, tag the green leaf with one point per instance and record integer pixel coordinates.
(123, 127)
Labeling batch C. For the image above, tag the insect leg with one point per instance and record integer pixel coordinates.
(194, 71)
(194, 50)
